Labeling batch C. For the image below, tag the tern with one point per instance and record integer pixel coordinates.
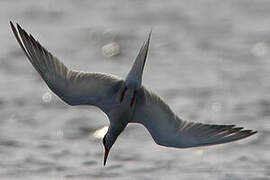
(123, 100)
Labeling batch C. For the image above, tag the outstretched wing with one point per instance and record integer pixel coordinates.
(168, 129)
(75, 88)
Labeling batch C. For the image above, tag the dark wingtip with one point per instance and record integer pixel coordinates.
(235, 130)
(249, 132)
(18, 26)
(254, 132)
(12, 26)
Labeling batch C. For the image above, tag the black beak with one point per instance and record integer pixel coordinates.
(106, 155)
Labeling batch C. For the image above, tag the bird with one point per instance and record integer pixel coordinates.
(123, 100)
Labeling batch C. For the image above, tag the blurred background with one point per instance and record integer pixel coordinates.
(209, 60)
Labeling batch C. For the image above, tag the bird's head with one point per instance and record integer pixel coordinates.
(107, 146)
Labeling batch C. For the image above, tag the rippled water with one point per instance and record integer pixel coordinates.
(208, 59)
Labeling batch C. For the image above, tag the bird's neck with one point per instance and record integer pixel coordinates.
(114, 131)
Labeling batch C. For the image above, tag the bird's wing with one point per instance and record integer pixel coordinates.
(169, 130)
(75, 88)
